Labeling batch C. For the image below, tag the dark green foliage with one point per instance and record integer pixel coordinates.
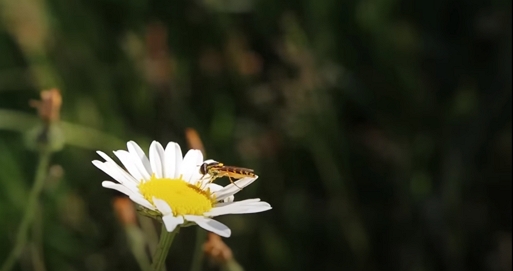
(381, 130)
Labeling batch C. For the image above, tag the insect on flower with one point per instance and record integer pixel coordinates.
(218, 170)
(170, 189)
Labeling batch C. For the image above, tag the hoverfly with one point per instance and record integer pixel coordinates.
(218, 170)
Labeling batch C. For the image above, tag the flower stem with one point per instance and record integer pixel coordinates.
(137, 245)
(231, 265)
(197, 257)
(166, 239)
(152, 237)
(30, 210)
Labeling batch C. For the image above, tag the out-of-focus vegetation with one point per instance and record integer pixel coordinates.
(381, 130)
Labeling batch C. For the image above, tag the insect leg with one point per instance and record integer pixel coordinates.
(230, 178)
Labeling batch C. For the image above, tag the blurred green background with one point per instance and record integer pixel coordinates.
(381, 130)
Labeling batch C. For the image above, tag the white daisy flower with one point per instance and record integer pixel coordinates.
(174, 187)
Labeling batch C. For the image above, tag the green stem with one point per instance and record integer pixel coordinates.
(137, 245)
(37, 242)
(197, 257)
(166, 239)
(150, 232)
(30, 210)
(231, 265)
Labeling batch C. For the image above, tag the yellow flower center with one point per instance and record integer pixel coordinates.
(182, 197)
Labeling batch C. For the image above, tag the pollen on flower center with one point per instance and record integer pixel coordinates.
(182, 197)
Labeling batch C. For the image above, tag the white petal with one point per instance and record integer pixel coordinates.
(119, 187)
(210, 225)
(162, 206)
(215, 187)
(244, 209)
(142, 201)
(253, 209)
(197, 177)
(204, 180)
(104, 156)
(157, 159)
(134, 166)
(138, 153)
(112, 164)
(229, 199)
(240, 202)
(137, 198)
(115, 172)
(190, 165)
(233, 188)
(173, 160)
(171, 222)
